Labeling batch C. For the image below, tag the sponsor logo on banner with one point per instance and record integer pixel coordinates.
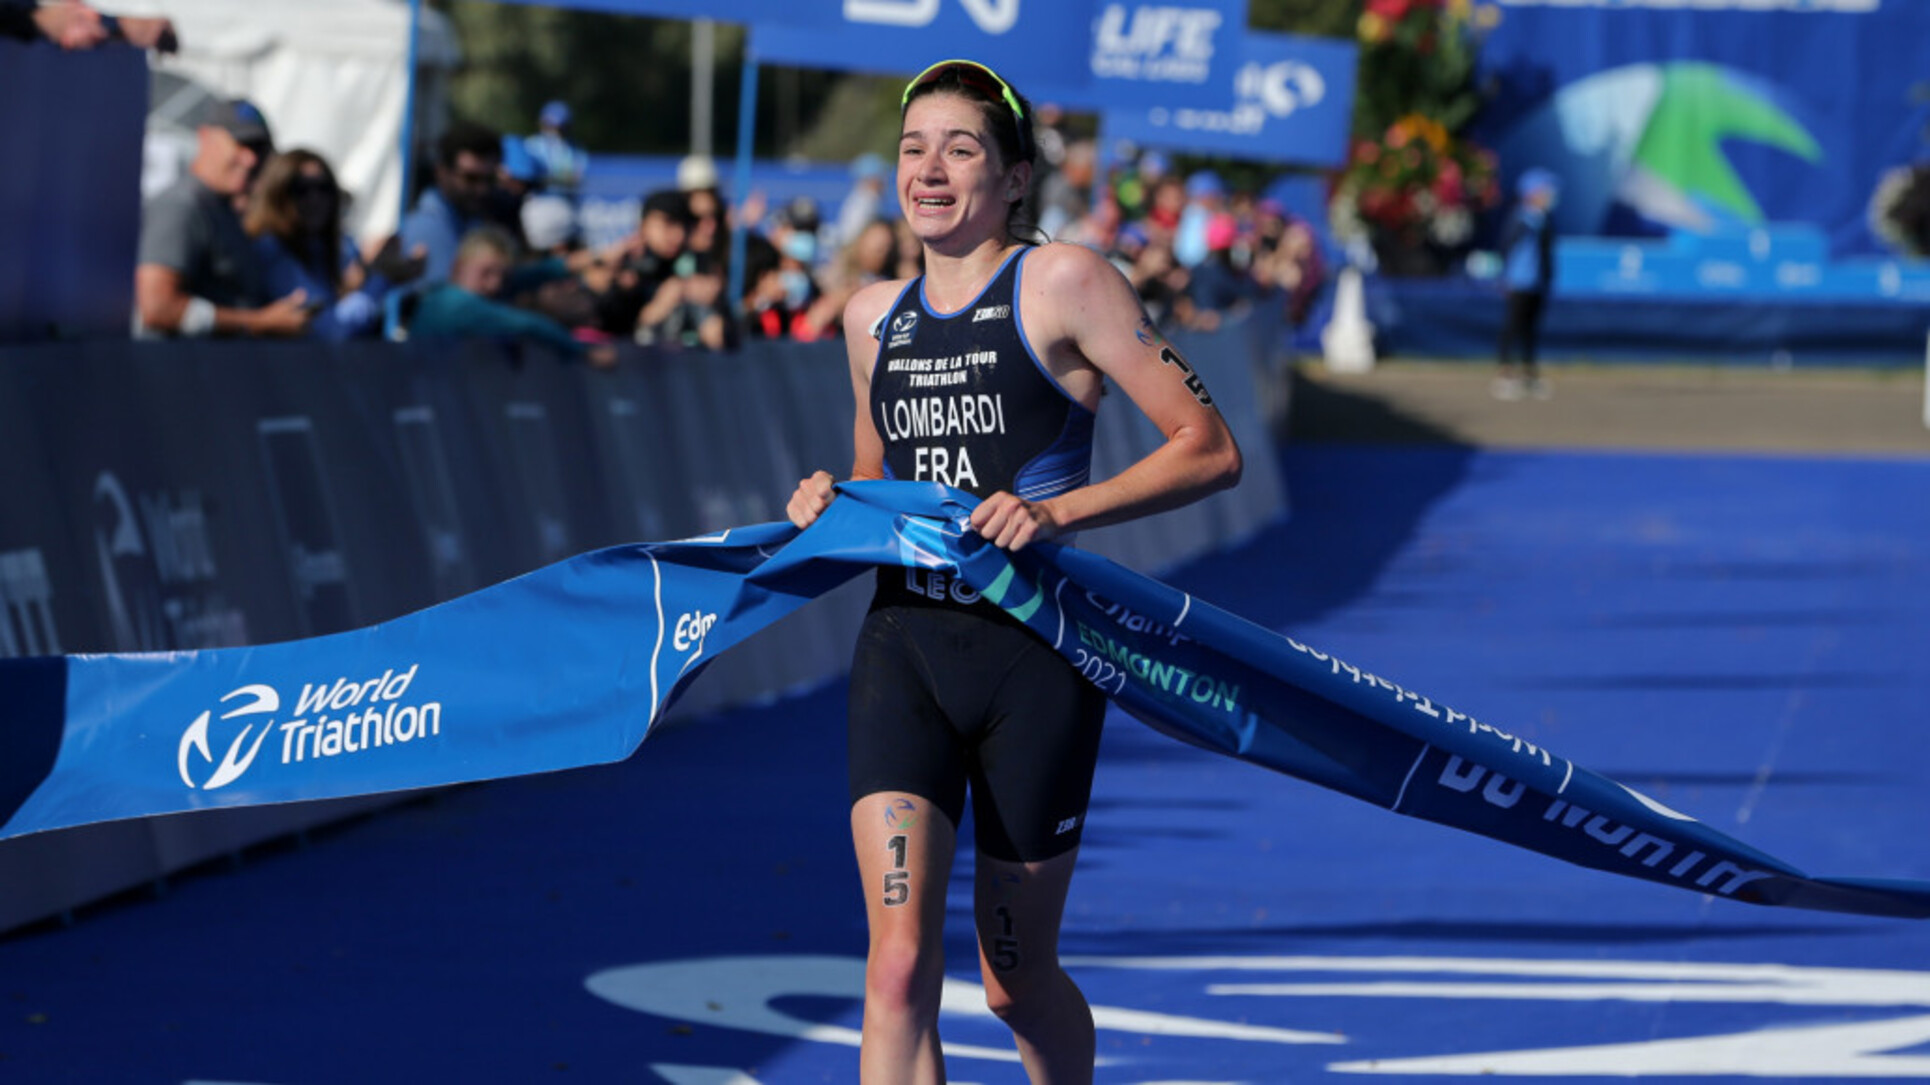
(329, 719)
(1282, 88)
(690, 630)
(1160, 43)
(26, 605)
(261, 700)
(1265, 91)
(1289, 99)
(991, 16)
(1026, 41)
(158, 579)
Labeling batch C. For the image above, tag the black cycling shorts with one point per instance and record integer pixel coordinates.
(944, 696)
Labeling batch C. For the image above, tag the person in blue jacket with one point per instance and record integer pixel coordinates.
(1528, 276)
(295, 219)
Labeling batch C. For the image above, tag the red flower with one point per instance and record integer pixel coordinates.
(1448, 187)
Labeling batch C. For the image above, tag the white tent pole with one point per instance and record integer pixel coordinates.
(741, 178)
(703, 72)
(409, 110)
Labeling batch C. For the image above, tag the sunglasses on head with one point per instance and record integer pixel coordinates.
(977, 76)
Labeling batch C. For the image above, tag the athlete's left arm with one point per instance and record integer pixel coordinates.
(1084, 316)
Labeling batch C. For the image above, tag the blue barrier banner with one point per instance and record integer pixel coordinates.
(1027, 41)
(70, 198)
(1711, 117)
(574, 664)
(1150, 54)
(1292, 101)
(793, 12)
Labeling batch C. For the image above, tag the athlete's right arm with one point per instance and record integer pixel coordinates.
(861, 314)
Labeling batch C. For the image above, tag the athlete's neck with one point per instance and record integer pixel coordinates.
(953, 280)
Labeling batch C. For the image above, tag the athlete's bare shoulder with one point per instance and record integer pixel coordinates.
(1062, 266)
(870, 303)
(1069, 289)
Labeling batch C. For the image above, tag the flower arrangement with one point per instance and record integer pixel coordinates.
(1416, 183)
(1411, 179)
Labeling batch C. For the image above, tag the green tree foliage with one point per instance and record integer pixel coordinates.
(1315, 18)
(627, 79)
(1416, 57)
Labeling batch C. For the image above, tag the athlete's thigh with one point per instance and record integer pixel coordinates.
(898, 736)
(1018, 908)
(905, 845)
(1033, 779)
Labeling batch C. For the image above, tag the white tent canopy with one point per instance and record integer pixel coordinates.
(330, 77)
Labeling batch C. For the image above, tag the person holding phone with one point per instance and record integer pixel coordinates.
(295, 219)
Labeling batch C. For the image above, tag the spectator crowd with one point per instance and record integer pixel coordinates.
(250, 241)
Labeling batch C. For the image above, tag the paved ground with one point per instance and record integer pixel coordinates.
(1737, 635)
(1725, 408)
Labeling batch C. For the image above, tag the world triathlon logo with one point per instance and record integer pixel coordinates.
(255, 700)
(330, 719)
(902, 327)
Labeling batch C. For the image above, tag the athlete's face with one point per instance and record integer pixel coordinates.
(955, 191)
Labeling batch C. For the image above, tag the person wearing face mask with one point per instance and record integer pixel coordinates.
(800, 251)
(296, 222)
(764, 308)
(197, 274)
(985, 373)
(636, 299)
(813, 316)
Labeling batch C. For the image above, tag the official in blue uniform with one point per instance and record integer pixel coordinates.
(984, 373)
(1528, 274)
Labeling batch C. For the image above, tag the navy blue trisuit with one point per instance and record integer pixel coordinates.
(947, 690)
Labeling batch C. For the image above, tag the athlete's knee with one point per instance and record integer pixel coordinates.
(1019, 993)
(903, 976)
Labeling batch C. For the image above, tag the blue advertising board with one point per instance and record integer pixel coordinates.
(1718, 117)
(1292, 101)
(1780, 264)
(1154, 54)
(1025, 40)
(70, 197)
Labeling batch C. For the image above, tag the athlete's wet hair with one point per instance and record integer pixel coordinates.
(1007, 113)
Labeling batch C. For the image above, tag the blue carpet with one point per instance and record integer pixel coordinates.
(1744, 638)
